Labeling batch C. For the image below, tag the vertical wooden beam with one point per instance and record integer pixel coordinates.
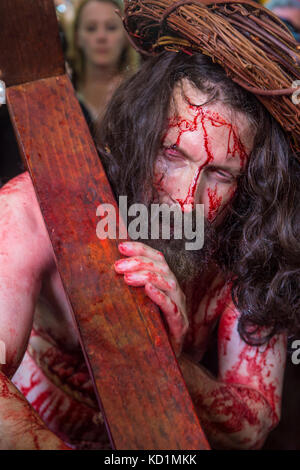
(137, 380)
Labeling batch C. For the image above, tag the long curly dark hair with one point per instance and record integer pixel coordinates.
(259, 240)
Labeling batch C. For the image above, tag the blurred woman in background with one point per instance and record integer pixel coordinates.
(289, 12)
(99, 55)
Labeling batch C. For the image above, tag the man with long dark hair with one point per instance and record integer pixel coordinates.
(179, 132)
(220, 136)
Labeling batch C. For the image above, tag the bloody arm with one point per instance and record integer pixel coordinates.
(25, 255)
(240, 407)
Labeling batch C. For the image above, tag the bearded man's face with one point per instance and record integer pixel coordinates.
(204, 151)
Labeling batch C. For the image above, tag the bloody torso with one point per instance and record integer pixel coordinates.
(53, 375)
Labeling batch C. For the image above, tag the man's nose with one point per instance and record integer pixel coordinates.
(193, 188)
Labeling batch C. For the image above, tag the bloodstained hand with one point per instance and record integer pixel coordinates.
(147, 267)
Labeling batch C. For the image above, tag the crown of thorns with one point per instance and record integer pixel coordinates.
(254, 47)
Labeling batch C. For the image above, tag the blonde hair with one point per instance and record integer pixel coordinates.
(129, 60)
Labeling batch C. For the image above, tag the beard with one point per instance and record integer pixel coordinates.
(189, 266)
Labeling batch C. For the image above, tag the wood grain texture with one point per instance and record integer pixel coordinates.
(29, 41)
(137, 378)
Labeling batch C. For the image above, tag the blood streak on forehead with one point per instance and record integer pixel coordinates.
(201, 118)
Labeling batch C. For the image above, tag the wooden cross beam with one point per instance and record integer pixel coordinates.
(138, 383)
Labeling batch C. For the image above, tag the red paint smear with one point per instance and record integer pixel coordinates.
(124, 249)
(70, 419)
(253, 367)
(25, 414)
(209, 316)
(183, 126)
(237, 149)
(33, 382)
(225, 329)
(221, 302)
(36, 442)
(151, 277)
(230, 404)
(40, 400)
(70, 369)
(202, 117)
(214, 203)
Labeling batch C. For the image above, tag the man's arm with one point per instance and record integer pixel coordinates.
(241, 406)
(25, 257)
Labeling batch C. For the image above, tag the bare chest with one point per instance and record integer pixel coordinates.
(204, 318)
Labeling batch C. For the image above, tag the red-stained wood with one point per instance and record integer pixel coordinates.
(139, 384)
(137, 380)
(29, 41)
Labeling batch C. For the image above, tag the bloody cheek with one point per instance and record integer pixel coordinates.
(214, 202)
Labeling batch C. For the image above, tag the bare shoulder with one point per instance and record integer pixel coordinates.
(16, 194)
(23, 226)
(25, 257)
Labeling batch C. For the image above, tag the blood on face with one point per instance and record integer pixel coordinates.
(200, 140)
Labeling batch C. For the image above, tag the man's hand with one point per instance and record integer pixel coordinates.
(147, 267)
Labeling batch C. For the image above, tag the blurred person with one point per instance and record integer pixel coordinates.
(99, 54)
(289, 12)
(65, 15)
